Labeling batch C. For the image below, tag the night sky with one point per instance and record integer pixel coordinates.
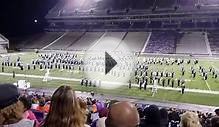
(17, 16)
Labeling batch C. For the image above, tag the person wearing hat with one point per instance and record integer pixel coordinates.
(11, 109)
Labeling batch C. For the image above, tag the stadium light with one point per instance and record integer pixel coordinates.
(35, 20)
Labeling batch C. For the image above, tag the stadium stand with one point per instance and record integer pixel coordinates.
(111, 40)
(134, 41)
(162, 42)
(192, 43)
(66, 41)
(86, 41)
(213, 38)
(39, 41)
(4, 44)
(2, 49)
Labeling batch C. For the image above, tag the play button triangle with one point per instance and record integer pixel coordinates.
(109, 63)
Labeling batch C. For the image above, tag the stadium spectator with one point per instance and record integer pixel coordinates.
(215, 121)
(28, 114)
(190, 119)
(217, 112)
(163, 117)
(65, 110)
(141, 115)
(128, 116)
(42, 107)
(11, 109)
(152, 116)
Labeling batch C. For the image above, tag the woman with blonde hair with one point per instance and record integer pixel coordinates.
(190, 119)
(65, 110)
(11, 109)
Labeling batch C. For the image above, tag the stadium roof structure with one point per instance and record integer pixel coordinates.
(3, 40)
(150, 14)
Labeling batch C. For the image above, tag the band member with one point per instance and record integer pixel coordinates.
(172, 74)
(161, 74)
(183, 88)
(130, 84)
(82, 82)
(86, 82)
(90, 83)
(168, 81)
(183, 72)
(145, 84)
(194, 75)
(163, 82)
(172, 83)
(210, 69)
(28, 67)
(22, 68)
(136, 72)
(140, 84)
(167, 74)
(3, 69)
(178, 82)
(151, 80)
(206, 77)
(154, 88)
(188, 62)
(13, 74)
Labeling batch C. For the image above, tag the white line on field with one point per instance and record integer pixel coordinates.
(207, 85)
(113, 83)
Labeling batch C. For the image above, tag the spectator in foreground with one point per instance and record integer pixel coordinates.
(217, 112)
(28, 114)
(152, 116)
(65, 110)
(121, 114)
(190, 119)
(215, 121)
(164, 117)
(11, 109)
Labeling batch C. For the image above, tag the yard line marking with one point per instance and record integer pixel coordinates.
(146, 43)
(113, 83)
(207, 85)
(205, 81)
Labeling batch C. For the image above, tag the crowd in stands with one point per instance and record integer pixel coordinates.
(162, 42)
(65, 109)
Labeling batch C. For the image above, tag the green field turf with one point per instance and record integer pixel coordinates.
(162, 95)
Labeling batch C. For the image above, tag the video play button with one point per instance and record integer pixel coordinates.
(110, 63)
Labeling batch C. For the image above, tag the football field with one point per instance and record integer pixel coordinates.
(72, 77)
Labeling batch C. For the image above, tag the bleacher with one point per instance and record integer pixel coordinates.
(110, 41)
(192, 43)
(159, 42)
(39, 40)
(134, 41)
(67, 40)
(213, 38)
(86, 41)
(162, 42)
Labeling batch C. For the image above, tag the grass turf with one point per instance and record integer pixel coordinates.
(162, 95)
